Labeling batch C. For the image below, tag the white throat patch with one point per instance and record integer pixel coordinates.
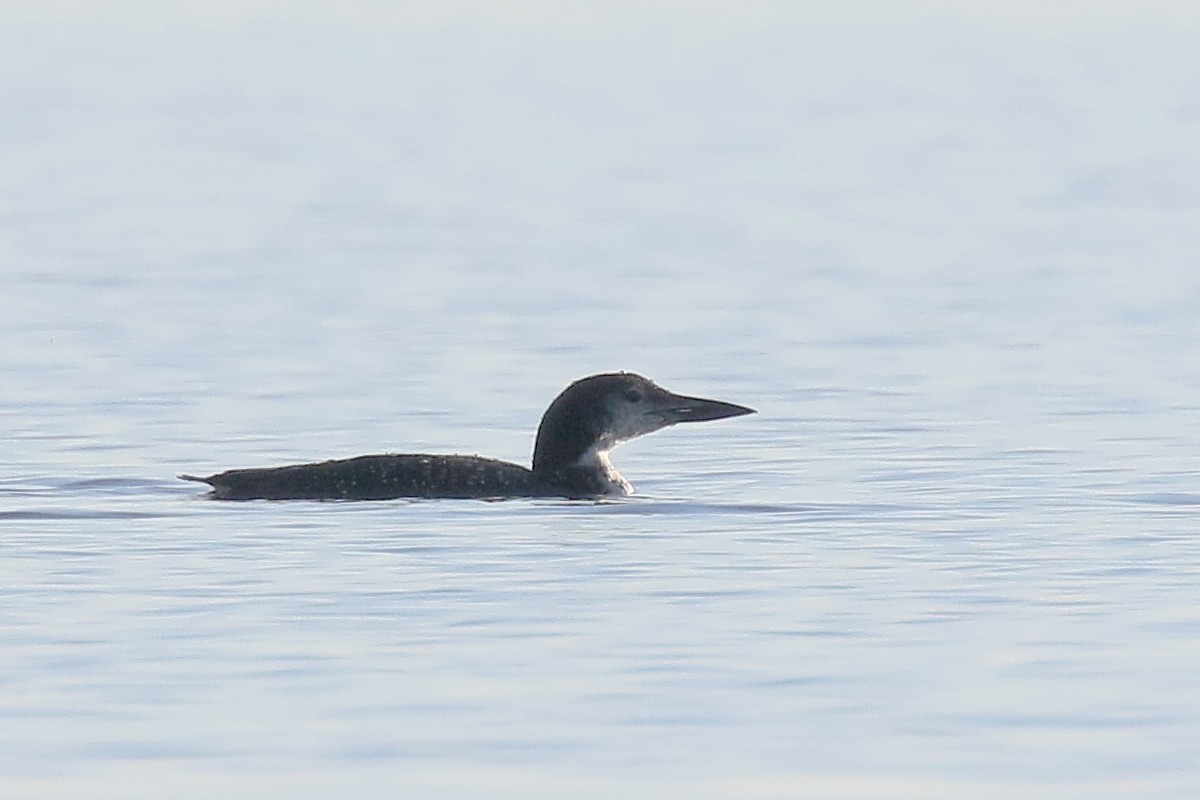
(596, 458)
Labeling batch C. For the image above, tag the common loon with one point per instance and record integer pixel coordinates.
(570, 456)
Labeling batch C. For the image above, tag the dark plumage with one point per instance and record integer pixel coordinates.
(570, 459)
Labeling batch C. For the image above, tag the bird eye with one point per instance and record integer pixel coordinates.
(633, 396)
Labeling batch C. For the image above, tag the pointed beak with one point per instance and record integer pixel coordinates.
(678, 408)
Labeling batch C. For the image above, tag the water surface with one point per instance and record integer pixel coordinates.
(950, 260)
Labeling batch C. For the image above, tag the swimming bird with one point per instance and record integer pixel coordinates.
(570, 456)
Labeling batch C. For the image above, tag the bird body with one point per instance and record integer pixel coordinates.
(570, 459)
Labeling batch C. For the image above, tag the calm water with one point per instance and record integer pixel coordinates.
(952, 261)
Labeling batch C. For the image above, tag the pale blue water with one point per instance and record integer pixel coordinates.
(952, 261)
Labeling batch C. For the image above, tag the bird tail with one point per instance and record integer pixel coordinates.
(193, 478)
